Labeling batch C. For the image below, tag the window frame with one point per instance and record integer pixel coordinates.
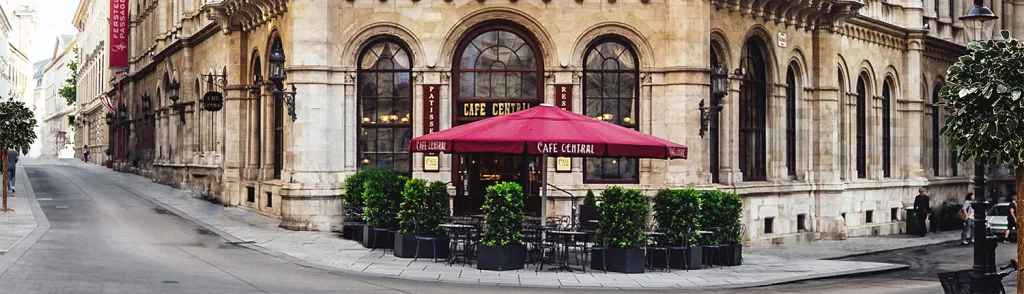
(791, 121)
(887, 129)
(936, 139)
(714, 139)
(753, 100)
(636, 103)
(860, 117)
(359, 102)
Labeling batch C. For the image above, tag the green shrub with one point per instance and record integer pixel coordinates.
(423, 208)
(353, 197)
(676, 212)
(623, 218)
(503, 215)
(382, 194)
(722, 210)
(590, 199)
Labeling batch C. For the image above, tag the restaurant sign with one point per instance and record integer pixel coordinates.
(491, 109)
(563, 96)
(213, 101)
(118, 34)
(431, 108)
(566, 149)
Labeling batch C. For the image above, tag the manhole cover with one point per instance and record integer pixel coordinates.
(44, 199)
(62, 206)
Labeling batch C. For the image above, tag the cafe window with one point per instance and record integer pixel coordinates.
(498, 64)
(385, 107)
(610, 90)
(753, 116)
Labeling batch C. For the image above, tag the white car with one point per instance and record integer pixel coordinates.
(996, 217)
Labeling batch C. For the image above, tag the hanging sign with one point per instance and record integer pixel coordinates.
(118, 48)
(563, 164)
(563, 96)
(213, 101)
(783, 40)
(490, 109)
(431, 108)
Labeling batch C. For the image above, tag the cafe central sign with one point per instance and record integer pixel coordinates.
(491, 109)
(565, 148)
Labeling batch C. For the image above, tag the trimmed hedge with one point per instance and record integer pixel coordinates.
(623, 218)
(382, 194)
(503, 215)
(723, 210)
(423, 208)
(354, 204)
(676, 211)
(590, 199)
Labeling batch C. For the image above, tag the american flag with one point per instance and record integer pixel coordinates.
(107, 104)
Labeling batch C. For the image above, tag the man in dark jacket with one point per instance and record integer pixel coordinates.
(921, 204)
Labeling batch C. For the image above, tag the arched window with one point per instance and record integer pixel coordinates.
(609, 93)
(936, 169)
(862, 159)
(791, 121)
(886, 129)
(753, 114)
(278, 115)
(385, 106)
(256, 91)
(713, 138)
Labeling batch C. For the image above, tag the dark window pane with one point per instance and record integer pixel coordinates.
(467, 86)
(529, 85)
(385, 99)
(610, 95)
(483, 84)
(513, 84)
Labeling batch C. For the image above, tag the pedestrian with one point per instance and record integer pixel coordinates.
(12, 163)
(85, 153)
(924, 209)
(1011, 218)
(967, 212)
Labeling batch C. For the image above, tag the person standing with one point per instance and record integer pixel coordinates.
(923, 206)
(1011, 218)
(85, 153)
(12, 163)
(967, 212)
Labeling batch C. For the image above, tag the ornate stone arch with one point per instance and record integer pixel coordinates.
(497, 14)
(764, 42)
(893, 77)
(870, 78)
(720, 43)
(623, 31)
(844, 74)
(376, 31)
(798, 61)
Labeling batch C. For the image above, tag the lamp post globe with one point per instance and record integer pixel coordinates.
(978, 22)
(277, 59)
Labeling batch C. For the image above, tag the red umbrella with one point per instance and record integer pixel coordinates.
(547, 130)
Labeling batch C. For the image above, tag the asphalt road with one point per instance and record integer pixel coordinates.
(105, 239)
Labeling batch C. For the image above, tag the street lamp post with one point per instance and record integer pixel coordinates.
(978, 26)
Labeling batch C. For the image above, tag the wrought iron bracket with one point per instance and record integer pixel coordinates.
(706, 113)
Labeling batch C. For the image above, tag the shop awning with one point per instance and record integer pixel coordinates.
(548, 130)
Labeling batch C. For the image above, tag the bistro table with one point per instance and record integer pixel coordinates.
(566, 237)
(460, 230)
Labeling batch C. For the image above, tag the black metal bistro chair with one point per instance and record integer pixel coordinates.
(421, 239)
(684, 246)
(658, 243)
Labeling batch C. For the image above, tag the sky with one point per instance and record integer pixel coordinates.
(53, 17)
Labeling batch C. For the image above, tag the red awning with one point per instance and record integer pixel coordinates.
(546, 129)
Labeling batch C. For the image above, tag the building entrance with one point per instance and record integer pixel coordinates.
(476, 172)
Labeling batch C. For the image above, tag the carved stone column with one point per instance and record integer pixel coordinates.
(232, 119)
(912, 108)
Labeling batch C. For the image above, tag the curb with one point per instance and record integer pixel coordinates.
(42, 226)
(936, 244)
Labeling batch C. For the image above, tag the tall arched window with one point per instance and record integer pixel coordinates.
(385, 107)
(753, 114)
(936, 168)
(862, 115)
(278, 115)
(610, 90)
(256, 91)
(713, 143)
(791, 121)
(886, 129)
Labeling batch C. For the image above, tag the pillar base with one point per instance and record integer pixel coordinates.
(311, 209)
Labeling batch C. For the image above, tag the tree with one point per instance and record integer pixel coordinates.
(16, 124)
(69, 89)
(984, 94)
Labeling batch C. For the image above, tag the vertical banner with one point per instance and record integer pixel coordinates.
(118, 46)
(431, 123)
(563, 96)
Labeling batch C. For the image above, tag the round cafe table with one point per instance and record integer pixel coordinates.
(566, 237)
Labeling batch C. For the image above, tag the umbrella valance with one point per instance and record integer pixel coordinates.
(548, 130)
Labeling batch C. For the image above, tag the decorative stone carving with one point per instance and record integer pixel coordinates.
(799, 14)
(243, 15)
(446, 77)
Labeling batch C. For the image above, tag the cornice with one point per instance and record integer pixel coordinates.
(942, 50)
(878, 32)
(243, 15)
(803, 14)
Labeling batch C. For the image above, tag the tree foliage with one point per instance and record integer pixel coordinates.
(623, 218)
(69, 90)
(984, 95)
(503, 215)
(16, 125)
(424, 208)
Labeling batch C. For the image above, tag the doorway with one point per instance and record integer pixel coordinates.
(476, 172)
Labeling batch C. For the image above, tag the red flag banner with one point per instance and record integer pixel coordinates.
(118, 46)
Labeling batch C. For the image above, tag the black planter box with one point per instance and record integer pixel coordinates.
(500, 258)
(732, 256)
(353, 231)
(369, 235)
(588, 213)
(405, 247)
(679, 258)
(621, 260)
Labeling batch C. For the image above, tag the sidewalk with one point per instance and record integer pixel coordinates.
(15, 225)
(328, 251)
(830, 249)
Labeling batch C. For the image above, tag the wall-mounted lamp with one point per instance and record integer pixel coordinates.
(719, 88)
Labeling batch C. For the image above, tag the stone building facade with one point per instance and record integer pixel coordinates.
(94, 81)
(56, 135)
(827, 129)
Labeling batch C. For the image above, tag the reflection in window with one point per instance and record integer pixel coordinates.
(498, 64)
(609, 93)
(385, 107)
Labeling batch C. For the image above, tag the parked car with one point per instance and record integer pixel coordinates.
(996, 217)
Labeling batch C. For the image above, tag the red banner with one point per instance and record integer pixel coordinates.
(563, 96)
(431, 108)
(118, 46)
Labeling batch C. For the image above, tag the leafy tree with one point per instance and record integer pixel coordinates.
(503, 215)
(984, 94)
(16, 124)
(69, 89)
(623, 218)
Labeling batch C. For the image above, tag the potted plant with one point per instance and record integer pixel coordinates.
(620, 232)
(676, 211)
(353, 206)
(423, 210)
(722, 210)
(501, 247)
(588, 212)
(382, 193)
